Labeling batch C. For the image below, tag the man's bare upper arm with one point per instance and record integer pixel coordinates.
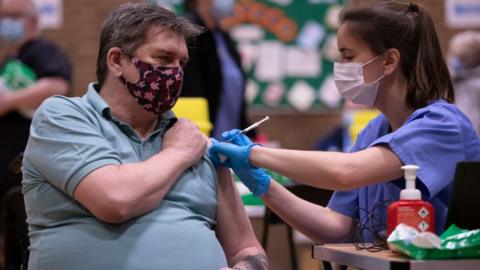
(234, 229)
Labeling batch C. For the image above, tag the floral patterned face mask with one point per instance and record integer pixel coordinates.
(158, 88)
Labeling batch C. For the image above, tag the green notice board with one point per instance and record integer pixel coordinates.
(288, 48)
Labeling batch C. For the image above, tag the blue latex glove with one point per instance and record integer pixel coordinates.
(256, 179)
(228, 136)
(235, 137)
(217, 162)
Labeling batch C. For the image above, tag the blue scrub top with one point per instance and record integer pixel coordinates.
(436, 138)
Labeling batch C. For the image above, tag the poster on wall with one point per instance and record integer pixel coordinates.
(462, 13)
(50, 13)
(287, 49)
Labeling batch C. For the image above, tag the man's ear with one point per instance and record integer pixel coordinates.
(114, 61)
(392, 60)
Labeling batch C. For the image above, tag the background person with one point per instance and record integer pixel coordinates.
(214, 70)
(391, 60)
(114, 180)
(464, 62)
(31, 70)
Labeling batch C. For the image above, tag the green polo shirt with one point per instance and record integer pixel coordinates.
(71, 137)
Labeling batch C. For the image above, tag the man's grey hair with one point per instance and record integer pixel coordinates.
(126, 27)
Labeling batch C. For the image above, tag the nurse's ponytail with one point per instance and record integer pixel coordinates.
(431, 78)
(408, 28)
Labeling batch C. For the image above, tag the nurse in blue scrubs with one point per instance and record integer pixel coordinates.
(391, 60)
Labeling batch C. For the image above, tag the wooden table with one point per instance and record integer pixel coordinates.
(348, 255)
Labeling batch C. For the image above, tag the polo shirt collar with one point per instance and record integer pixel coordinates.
(97, 102)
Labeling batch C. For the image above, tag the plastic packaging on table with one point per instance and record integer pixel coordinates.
(454, 243)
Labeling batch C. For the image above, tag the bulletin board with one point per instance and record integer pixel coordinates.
(288, 48)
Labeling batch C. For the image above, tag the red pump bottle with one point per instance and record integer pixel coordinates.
(410, 209)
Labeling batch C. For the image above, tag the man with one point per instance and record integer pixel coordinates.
(112, 181)
(32, 69)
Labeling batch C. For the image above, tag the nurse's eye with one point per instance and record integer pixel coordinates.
(346, 59)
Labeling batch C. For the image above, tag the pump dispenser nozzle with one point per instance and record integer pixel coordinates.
(410, 209)
(410, 192)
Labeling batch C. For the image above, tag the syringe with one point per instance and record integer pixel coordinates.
(252, 126)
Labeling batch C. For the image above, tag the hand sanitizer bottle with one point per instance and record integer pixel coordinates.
(410, 209)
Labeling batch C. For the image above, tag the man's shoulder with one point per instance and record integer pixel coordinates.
(59, 100)
(57, 106)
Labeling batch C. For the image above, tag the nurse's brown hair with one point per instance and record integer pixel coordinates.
(409, 29)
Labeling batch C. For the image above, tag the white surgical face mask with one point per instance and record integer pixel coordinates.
(351, 85)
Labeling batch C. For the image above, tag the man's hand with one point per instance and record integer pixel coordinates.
(186, 140)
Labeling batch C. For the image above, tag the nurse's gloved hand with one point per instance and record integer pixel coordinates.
(256, 179)
(215, 158)
(231, 137)
(235, 137)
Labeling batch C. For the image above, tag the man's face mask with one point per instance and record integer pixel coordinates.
(11, 29)
(351, 85)
(158, 88)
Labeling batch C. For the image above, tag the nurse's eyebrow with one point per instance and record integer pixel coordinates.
(344, 49)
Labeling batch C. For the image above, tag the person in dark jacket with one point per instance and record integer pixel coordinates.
(214, 70)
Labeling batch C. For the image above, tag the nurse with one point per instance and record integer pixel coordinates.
(391, 60)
